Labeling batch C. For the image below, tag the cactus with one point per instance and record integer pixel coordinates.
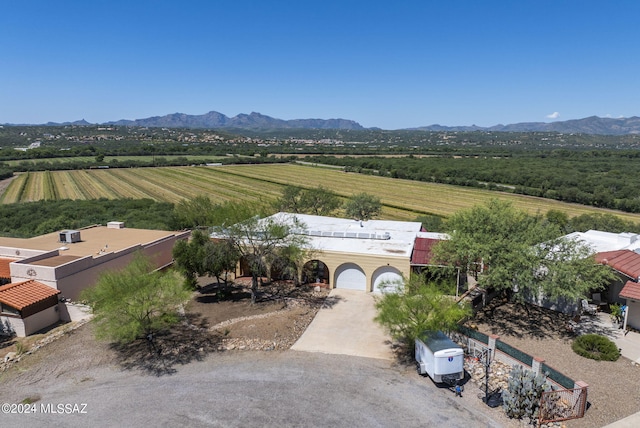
(522, 397)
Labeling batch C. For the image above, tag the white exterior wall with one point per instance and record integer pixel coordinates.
(18, 253)
(40, 320)
(633, 317)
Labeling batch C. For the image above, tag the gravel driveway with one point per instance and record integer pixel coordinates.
(243, 389)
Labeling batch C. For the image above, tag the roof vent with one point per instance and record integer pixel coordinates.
(69, 236)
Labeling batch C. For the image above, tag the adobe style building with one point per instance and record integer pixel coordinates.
(42, 274)
(361, 255)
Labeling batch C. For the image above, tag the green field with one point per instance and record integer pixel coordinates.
(402, 199)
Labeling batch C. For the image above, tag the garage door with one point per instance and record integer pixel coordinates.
(351, 276)
(388, 277)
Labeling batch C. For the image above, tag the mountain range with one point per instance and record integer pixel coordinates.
(588, 125)
(213, 119)
(257, 121)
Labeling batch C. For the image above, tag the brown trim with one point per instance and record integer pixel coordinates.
(40, 306)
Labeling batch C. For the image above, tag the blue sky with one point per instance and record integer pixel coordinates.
(392, 64)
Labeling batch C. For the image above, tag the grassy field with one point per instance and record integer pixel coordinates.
(402, 199)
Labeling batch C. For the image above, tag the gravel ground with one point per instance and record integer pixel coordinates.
(614, 387)
(229, 389)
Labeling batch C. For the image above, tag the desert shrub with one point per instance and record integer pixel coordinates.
(522, 397)
(595, 347)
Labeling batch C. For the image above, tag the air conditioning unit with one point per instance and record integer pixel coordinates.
(70, 236)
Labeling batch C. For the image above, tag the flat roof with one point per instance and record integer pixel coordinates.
(600, 241)
(95, 241)
(374, 237)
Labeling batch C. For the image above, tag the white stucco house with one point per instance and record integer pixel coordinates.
(361, 255)
(620, 251)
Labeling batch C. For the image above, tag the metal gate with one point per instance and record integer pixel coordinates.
(562, 405)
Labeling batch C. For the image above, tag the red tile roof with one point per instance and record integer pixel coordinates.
(20, 295)
(4, 267)
(631, 290)
(624, 261)
(423, 251)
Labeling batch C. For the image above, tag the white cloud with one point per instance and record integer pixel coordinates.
(553, 115)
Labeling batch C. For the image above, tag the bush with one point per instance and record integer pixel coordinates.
(522, 397)
(596, 347)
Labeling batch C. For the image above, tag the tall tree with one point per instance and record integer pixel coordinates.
(190, 256)
(291, 199)
(320, 201)
(520, 254)
(317, 201)
(135, 302)
(262, 241)
(363, 206)
(417, 307)
(220, 257)
(192, 213)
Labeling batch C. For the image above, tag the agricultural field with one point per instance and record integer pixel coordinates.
(402, 199)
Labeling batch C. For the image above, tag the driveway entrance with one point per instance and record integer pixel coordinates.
(345, 326)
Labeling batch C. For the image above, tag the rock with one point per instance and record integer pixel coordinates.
(10, 356)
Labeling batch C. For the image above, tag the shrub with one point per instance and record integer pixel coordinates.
(522, 397)
(595, 347)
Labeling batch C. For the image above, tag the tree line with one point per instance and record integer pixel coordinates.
(597, 178)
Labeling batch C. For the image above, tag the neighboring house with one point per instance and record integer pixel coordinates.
(67, 262)
(626, 290)
(361, 255)
(620, 251)
(27, 307)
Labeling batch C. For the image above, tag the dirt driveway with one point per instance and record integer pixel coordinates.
(345, 326)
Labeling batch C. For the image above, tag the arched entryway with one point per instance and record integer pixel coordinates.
(351, 276)
(315, 271)
(386, 279)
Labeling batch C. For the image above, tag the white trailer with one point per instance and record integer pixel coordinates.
(439, 357)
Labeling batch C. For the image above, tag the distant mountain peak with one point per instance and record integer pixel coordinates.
(254, 120)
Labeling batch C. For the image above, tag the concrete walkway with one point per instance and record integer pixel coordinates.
(345, 326)
(629, 345)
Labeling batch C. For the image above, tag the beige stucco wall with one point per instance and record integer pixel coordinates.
(368, 263)
(73, 277)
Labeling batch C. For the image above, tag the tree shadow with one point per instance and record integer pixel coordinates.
(188, 341)
(6, 341)
(215, 293)
(523, 320)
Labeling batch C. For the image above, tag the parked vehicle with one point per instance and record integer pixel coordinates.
(439, 357)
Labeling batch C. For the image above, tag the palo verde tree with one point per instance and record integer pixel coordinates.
(192, 213)
(260, 242)
(520, 254)
(417, 307)
(202, 256)
(363, 206)
(189, 256)
(135, 302)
